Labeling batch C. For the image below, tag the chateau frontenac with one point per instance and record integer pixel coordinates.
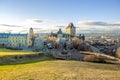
(70, 32)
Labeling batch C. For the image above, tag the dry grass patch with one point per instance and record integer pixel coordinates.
(97, 57)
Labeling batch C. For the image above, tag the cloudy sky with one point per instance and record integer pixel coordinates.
(50, 15)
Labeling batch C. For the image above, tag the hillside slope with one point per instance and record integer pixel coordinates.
(60, 70)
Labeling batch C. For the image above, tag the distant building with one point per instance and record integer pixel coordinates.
(4, 39)
(71, 29)
(13, 40)
(17, 40)
(39, 43)
(81, 37)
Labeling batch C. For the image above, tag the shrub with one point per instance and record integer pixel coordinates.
(64, 52)
(20, 57)
(118, 52)
(15, 57)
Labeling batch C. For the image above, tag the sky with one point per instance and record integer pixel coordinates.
(88, 16)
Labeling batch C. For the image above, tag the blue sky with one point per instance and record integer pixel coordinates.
(51, 13)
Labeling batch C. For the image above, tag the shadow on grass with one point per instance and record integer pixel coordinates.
(25, 59)
(41, 57)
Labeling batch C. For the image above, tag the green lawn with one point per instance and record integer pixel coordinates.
(60, 70)
(6, 52)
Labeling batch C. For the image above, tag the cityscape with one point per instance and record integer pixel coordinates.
(102, 43)
(59, 40)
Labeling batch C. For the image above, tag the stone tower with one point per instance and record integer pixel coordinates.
(71, 29)
(31, 37)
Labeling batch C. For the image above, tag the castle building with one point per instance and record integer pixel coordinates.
(71, 29)
(70, 32)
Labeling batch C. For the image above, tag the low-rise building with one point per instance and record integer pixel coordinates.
(4, 39)
(39, 43)
(16, 40)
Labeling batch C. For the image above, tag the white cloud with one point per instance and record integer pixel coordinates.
(37, 24)
(9, 25)
(49, 25)
(99, 23)
(97, 26)
(33, 21)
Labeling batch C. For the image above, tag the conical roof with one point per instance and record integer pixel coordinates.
(70, 25)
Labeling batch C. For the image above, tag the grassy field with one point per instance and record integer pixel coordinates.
(15, 53)
(41, 66)
(9, 56)
(60, 70)
(6, 52)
